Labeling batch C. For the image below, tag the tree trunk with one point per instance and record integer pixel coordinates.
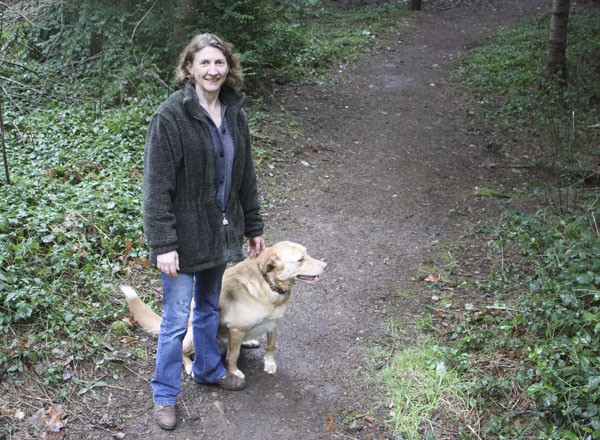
(415, 5)
(2, 142)
(556, 61)
(3, 145)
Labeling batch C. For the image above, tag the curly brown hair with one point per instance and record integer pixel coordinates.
(234, 78)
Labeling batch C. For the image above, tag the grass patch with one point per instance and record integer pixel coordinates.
(423, 392)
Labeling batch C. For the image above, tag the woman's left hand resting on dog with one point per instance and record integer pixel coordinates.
(256, 245)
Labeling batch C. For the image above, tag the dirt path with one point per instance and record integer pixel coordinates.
(388, 171)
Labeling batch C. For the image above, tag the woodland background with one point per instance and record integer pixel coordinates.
(79, 82)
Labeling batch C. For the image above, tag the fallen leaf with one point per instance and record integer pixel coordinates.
(53, 419)
(128, 248)
(143, 262)
(432, 279)
(128, 340)
(67, 361)
(220, 407)
(330, 424)
(129, 320)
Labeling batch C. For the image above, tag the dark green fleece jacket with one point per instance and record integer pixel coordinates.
(180, 210)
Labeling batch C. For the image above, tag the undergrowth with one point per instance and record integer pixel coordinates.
(531, 358)
(336, 36)
(515, 95)
(69, 224)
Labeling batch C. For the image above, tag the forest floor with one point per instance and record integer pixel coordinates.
(381, 180)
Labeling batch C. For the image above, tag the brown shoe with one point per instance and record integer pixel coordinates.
(165, 416)
(231, 382)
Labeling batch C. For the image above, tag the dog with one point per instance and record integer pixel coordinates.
(254, 297)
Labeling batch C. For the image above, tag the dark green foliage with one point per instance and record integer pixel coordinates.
(533, 358)
(108, 51)
(507, 77)
(550, 331)
(266, 33)
(69, 225)
(83, 51)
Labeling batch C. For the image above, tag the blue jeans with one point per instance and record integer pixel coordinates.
(205, 288)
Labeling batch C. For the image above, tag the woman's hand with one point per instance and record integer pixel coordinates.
(256, 245)
(168, 263)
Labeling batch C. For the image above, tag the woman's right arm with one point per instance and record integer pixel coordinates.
(160, 177)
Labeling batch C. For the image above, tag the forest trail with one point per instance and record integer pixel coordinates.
(387, 171)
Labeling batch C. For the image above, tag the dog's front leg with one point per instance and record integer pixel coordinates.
(233, 351)
(187, 364)
(270, 365)
(188, 350)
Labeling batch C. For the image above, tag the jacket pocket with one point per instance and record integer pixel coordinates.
(196, 236)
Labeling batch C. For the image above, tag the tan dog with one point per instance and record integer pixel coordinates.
(254, 297)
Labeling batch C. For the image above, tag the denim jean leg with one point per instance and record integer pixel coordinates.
(207, 366)
(177, 297)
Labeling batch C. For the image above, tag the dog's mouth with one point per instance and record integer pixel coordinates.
(308, 278)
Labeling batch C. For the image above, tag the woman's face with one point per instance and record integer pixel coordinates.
(209, 69)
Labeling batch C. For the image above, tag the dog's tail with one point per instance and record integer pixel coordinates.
(144, 316)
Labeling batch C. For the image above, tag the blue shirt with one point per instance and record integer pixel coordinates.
(223, 152)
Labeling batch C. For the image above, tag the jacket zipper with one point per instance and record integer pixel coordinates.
(225, 224)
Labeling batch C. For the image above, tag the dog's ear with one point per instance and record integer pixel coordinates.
(269, 261)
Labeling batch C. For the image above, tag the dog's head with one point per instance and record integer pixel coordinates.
(285, 262)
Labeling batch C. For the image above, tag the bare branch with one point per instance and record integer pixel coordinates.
(142, 19)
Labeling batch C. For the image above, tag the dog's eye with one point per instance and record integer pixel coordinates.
(301, 260)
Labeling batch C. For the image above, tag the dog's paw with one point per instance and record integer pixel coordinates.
(270, 366)
(239, 374)
(251, 343)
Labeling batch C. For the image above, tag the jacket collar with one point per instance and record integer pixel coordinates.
(232, 99)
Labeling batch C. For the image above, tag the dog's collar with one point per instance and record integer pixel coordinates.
(274, 288)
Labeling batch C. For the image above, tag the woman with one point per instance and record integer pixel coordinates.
(200, 200)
